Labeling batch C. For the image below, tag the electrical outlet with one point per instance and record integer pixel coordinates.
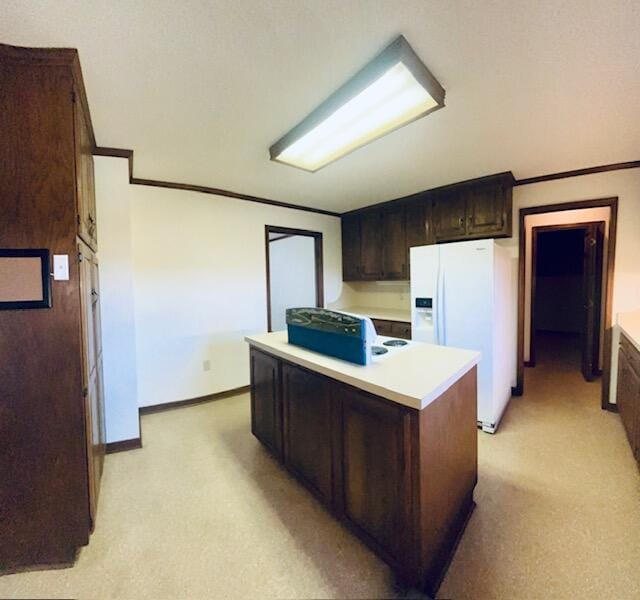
(206, 365)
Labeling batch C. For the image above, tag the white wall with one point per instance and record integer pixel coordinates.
(292, 268)
(116, 299)
(200, 286)
(626, 186)
(186, 274)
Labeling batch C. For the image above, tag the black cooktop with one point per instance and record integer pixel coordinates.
(377, 350)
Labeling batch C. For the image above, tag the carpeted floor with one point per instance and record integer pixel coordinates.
(203, 512)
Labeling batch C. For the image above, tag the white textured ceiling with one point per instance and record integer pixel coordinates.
(201, 89)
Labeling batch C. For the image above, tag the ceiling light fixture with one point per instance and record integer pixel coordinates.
(392, 90)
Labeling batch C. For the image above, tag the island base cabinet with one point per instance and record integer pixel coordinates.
(308, 412)
(266, 404)
(401, 479)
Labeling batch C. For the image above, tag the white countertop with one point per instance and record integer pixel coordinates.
(629, 323)
(414, 375)
(385, 314)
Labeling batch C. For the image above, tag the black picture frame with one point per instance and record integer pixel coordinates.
(43, 255)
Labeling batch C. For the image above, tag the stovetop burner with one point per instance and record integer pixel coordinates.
(395, 343)
(377, 350)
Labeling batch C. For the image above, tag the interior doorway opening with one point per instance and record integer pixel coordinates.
(294, 272)
(566, 296)
(584, 214)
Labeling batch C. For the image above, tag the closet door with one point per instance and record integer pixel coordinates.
(92, 372)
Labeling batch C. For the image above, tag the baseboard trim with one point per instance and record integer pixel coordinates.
(123, 445)
(611, 407)
(155, 408)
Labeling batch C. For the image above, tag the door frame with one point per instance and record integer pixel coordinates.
(289, 232)
(612, 204)
(535, 231)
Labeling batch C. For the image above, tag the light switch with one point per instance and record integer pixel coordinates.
(61, 267)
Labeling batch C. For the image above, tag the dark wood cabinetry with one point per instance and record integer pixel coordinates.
(85, 179)
(52, 435)
(401, 479)
(397, 329)
(370, 245)
(374, 474)
(307, 429)
(394, 244)
(351, 248)
(266, 404)
(628, 392)
(449, 215)
(378, 239)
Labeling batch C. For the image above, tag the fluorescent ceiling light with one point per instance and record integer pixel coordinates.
(391, 91)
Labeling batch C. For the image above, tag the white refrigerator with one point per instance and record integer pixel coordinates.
(463, 294)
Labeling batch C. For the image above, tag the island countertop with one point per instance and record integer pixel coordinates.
(413, 376)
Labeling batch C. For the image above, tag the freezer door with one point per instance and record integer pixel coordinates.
(424, 264)
(467, 292)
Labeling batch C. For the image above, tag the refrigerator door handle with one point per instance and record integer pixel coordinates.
(443, 322)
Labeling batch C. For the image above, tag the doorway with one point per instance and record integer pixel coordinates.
(294, 272)
(566, 296)
(583, 212)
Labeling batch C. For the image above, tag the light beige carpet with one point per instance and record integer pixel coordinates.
(203, 512)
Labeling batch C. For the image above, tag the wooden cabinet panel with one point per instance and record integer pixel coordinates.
(449, 215)
(375, 470)
(419, 229)
(382, 327)
(351, 248)
(92, 372)
(371, 245)
(307, 417)
(394, 243)
(487, 210)
(628, 395)
(85, 180)
(266, 408)
(401, 330)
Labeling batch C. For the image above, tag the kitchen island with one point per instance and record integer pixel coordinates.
(389, 448)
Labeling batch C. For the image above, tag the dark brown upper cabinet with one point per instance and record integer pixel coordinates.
(394, 243)
(85, 179)
(376, 241)
(488, 209)
(351, 247)
(450, 215)
(371, 241)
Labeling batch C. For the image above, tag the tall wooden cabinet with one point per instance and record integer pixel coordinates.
(52, 436)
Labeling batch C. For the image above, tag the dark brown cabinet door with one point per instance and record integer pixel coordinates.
(85, 180)
(266, 412)
(351, 248)
(449, 215)
(371, 245)
(487, 207)
(308, 414)
(628, 400)
(401, 330)
(375, 472)
(394, 258)
(382, 327)
(419, 225)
